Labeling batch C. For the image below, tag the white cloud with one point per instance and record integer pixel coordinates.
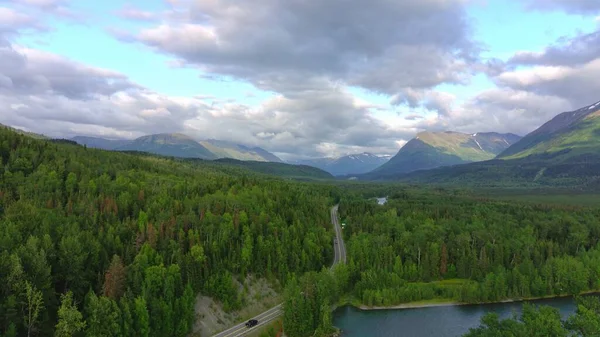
(308, 53)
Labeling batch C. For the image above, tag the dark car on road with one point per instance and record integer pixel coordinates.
(251, 323)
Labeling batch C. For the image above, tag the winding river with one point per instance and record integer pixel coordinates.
(450, 321)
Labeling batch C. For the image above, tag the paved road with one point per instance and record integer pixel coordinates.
(274, 313)
(339, 247)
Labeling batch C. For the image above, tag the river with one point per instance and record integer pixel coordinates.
(450, 321)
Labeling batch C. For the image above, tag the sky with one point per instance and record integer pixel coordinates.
(299, 78)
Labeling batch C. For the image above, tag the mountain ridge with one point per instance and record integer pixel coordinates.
(430, 150)
(554, 133)
(169, 144)
(563, 152)
(358, 163)
(217, 148)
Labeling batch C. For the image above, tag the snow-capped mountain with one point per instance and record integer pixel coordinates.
(345, 165)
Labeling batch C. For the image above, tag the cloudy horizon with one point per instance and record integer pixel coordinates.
(299, 78)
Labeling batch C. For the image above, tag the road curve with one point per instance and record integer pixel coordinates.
(270, 315)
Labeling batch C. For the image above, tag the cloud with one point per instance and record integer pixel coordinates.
(381, 45)
(568, 70)
(46, 93)
(12, 22)
(570, 6)
(413, 117)
(42, 8)
(432, 100)
(132, 13)
(573, 51)
(532, 87)
(308, 53)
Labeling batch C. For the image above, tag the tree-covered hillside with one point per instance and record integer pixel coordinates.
(114, 244)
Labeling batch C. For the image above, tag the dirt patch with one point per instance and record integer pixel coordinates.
(258, 296)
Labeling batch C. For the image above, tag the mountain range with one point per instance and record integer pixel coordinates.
(182, 146)
(563, 152)
(436, 149)
(346, 165)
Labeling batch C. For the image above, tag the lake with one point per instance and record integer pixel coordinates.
(451, 321)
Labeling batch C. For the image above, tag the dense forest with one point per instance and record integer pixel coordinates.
(440, 246)
(97, 243)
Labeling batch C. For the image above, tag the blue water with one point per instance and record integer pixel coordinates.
(451, 321)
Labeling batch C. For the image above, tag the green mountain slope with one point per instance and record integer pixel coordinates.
(578, 131)
(169, 144)
(224, 149)
(24, 133)
(279, 169)
(435, 149)
(100, 143)
(564, 152)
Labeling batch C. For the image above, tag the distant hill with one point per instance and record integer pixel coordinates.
(302, 172)
(218, 148)
(224, 149)
(347, 165)
(100, 143)
(563, 152)
(25, 133)
(169, 144)
(436, 149)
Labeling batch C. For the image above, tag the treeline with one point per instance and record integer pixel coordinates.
(309, 300)
(544, 321)
(97, 243)
(440, 246)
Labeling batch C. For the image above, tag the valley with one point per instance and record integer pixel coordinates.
(272, 225)
(222, 168)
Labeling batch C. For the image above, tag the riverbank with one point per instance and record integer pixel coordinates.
(447, 321)
(449, 303)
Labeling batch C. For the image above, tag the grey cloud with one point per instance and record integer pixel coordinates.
(131, 12)
(38, 88)
(500, 110)
(49, 94)
(430, 99)
(570, 6)
(44, 4)
(413, 117)
(574, 51)
(11, 22)
(534, 87)
(369, 44)
(578, 84)
(43, 8)
(299, 124)
(309, 51)
(34, 72)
